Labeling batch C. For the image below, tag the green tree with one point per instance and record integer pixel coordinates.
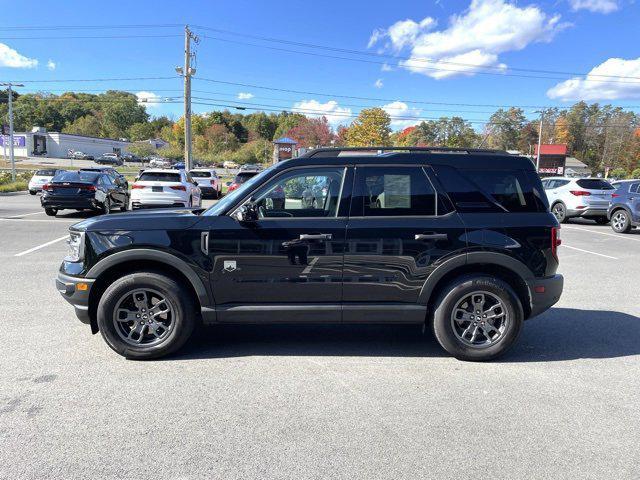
(141, 131)
(372, 127)
(142, 149)
(505, 127)
(88, 125)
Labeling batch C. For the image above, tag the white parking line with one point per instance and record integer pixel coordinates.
(589, 251)
(59, 220)
(41, 246)
(26, 214)
(621, 236)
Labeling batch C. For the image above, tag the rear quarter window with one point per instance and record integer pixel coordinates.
(45, 173)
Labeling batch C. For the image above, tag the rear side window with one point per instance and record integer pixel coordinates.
(159, 177)
(594, 184)
(46, 173)
(393, 191)
(483, 190)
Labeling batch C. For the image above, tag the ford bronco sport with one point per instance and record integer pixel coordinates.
(461, 241)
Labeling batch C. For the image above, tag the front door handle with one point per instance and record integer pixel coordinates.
(431, 236)
(317, 236)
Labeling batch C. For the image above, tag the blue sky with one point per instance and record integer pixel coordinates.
(435, 51)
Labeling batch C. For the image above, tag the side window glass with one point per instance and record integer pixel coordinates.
(465, 195)
(635, 188)
(393, 191)
(301, 193)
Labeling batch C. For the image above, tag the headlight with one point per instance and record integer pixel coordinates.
(75, 243)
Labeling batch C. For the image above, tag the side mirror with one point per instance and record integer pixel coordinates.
(248, 213)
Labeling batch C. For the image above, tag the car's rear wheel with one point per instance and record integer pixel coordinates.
(477, 318)
(125, 205)
(146, 315)
(52, 212)
(621, 221)
(106, 207)
(560, 212)
(33, 192)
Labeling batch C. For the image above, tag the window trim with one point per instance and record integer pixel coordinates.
(232, 212)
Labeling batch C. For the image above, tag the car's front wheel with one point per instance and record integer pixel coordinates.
(146, 315)
(477, 318)
(52, 212)
(620, 221)
(560, 212)
(33, 192)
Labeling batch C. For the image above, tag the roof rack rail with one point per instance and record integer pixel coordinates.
(336, 151)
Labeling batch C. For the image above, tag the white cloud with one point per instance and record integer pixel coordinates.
(245, 96)
(386, 67)
(401, 109)
(378, 83)
(51, 65)
(474, 38)
(335, 114)
(595, 86)
(596, 6)
(12, 59)
(149, 99)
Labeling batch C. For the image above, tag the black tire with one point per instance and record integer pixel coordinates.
(52, 212)
(106, 207)
(33, 192)
(601, 220)
(125, 205)
(454, 293)
(621, 221)
(559, 210)
(181, 301)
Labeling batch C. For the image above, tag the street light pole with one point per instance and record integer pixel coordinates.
(10, 101)
(187, 71)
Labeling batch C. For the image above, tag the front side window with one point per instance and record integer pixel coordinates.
(393, 191)
(301, 193)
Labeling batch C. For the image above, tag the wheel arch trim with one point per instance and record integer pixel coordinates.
(159, 256)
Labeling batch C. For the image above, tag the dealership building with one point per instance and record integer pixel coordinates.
(40, 143)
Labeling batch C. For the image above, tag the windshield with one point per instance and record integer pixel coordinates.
(230, 198)
(159, 177)
(45, 173)
(196, 174)
(75, 177)
(594, 184)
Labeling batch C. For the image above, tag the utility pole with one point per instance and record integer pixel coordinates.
(10, 101)
(187, 72)
(539, 139)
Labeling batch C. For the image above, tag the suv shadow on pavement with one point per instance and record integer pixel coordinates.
(557, 335)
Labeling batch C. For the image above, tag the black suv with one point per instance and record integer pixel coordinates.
(459, 240)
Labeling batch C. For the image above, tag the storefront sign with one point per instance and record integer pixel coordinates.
(18, 141)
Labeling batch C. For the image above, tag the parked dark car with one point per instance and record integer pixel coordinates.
(178, 166)
(624, 208)
(460, 241)
(83, 190)
(81, 156)
(240, 178)
(130, 157)
(116, 175)
(109, 160)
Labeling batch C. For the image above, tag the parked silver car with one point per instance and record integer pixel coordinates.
(578, 197)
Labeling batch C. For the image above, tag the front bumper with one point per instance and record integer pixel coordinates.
(70, 289)
(545, 292)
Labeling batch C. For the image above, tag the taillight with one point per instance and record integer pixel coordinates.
(136, 186)
(47, 187)
(556, 241)
(232, 187)
(580, 193)
(88, 188)
(615, 195)
(178, 187)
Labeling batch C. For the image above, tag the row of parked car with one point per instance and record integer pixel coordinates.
(596, 199)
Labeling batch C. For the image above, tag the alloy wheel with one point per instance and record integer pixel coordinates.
(618, 221)
(559, 211)
(143, 317)
(480, 319)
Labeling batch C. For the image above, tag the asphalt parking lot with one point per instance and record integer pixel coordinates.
(320, 402)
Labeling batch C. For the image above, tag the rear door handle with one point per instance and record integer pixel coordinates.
(431, 236)
(317, 236)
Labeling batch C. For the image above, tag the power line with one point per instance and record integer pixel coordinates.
(93, 27)
(376, 99)
(95, 80)
(397, 57)
(102, 37)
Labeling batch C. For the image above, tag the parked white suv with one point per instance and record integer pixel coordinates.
(208, 181)
(578, 197)
(158, 187)
(40, 178)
